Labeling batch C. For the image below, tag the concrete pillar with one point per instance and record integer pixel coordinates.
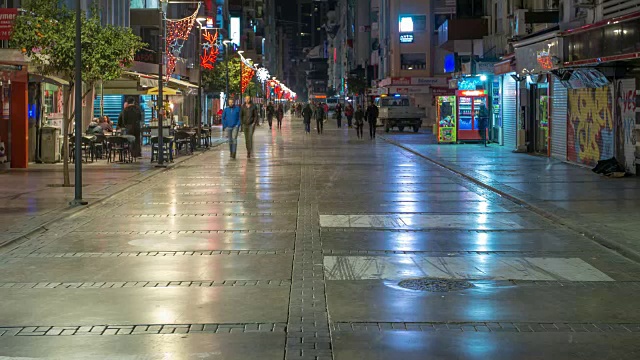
(19, 125)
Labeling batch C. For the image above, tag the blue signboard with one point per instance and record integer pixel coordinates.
(406, 38)
(450, 63)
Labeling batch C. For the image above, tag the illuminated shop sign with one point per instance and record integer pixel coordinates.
(472, 92)
(406, 24)
(406, 38)
(234, 30)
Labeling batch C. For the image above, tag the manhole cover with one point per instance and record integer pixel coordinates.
(435, 285)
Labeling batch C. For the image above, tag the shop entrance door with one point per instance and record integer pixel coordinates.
(538, 122)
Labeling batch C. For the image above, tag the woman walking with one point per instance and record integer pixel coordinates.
(318, 114)
(338, 111)
(359, 115)
(270, 112)
(279, 116)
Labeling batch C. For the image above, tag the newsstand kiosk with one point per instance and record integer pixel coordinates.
(469, 102)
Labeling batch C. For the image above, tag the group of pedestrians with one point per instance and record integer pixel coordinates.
(246, 117)
(234, 117)
(277, 112)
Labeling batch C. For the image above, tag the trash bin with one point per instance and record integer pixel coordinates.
(50, 151)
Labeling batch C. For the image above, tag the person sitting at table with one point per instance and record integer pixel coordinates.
(94, 128)
(105, 124)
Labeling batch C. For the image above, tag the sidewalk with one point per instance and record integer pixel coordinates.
(33, 197)
(604, 209)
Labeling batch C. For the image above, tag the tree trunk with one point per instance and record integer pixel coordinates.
(66, 122)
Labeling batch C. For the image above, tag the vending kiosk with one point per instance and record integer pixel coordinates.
(469, 103)
(446, 115)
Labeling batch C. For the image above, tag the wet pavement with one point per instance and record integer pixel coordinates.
(602, 208)
(305, 251)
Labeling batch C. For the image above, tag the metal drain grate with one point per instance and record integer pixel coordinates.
(435, 285)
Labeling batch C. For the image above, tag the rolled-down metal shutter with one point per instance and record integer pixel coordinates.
(113, 105)
(558, 120)
(509, 96)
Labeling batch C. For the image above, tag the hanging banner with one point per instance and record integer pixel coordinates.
(7, 20)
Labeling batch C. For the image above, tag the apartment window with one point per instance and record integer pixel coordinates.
(439, 19)
(144, 4)
(416, 61)
(420, 23)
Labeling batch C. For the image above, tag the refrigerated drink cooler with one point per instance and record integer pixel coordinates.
(469, 102)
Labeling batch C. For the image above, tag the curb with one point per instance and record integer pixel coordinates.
(72, 211)
(585, 231)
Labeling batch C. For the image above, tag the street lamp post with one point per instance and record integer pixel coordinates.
(241, 65)
(78, 108)
(199, 106)
(161, 112)
(226, 65)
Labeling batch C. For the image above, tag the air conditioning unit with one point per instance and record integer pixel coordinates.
(589, 4)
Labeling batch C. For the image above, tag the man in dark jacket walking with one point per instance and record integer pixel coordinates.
(249, 119)
(130, 119)
(271, 111)
(307, 113)
(318, 114)
(372, 118)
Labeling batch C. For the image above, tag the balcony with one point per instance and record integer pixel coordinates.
(455, 30)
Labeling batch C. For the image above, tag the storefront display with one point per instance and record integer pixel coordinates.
(446, 112)
(470, 103)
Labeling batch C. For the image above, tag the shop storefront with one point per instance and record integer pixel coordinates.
(505, 116)
(535, 59)
(602, 88)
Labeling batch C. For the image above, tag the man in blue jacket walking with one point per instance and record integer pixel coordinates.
(231, 124)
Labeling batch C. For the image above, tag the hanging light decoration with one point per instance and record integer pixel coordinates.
(210, 50)
(263, 74)
(177, 33)
(246, 76)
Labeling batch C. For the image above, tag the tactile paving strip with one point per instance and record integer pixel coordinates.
(141, 329)
(485, 327)
(144, 284)
(148, 253)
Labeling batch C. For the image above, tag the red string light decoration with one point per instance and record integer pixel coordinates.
(210, 50)
(177, 33)
(246, 76)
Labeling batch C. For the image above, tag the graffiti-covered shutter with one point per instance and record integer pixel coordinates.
(590, 135)
(625, 123)
(559, 120)
(509, 96)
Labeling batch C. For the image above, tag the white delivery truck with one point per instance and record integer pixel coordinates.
(396, 111)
